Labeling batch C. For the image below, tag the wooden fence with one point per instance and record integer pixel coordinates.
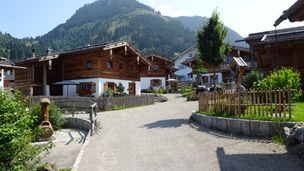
(274, 103)
(104, 103)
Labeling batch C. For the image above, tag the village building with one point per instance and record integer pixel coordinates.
(94, 70)
(183, 72)
(222, 71)
(159, 75)
(279, 48)
(7, 73)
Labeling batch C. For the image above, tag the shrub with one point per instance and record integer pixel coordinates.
(16, 134)
(160, 90)
(120, 89)
(119, 107)
(186, 91)
(55, 115)
(252, 77)
(107, 93)
(281, 78)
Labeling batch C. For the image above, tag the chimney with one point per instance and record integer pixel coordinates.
(33, 53)
(49, 51)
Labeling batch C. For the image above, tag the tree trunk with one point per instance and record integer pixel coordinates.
(214, 78)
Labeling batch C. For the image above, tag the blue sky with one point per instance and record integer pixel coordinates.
(30, 18)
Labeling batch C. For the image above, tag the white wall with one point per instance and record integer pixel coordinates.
(145, 82)
(99, 86)
(184, 71)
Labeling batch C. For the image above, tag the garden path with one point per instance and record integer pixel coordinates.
(160, 137)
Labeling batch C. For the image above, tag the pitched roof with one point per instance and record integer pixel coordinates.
(5, 63)
(293, 13)
(238, 61)
(160, 57)
(185, 51)
(104, 46)
(286, 34)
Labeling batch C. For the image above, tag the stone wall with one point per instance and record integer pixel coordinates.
(252, 128)
(77, 123)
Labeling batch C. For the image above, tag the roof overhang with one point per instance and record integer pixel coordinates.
(294, 13)
(11, 67)
(238, 62)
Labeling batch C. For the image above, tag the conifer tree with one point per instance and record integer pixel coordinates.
(211, 42)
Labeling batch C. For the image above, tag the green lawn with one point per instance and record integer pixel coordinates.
(297, 115)
(298, 112)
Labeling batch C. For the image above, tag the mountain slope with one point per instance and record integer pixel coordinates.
(114, 20)
(11, 47)
(196, 22)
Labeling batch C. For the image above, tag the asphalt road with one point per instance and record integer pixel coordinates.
(160, 137)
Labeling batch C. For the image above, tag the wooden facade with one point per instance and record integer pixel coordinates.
(164, 67)
(117, 61)
(100, 63)
(279, 48)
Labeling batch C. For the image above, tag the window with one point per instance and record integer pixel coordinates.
(205, 79)
(86, 89)
(190, 55)
(8, 72)
(155, 82)
(109, 86)
(110, 64)
(88, 65)
(121, 66)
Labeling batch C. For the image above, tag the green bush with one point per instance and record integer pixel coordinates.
(281, 78)
(252, 77)
(186, 91)
(161, 90)
(55, 116)
(119, 107)
(121, 89)
(16, 133)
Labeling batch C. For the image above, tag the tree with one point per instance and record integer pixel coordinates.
(211, 42)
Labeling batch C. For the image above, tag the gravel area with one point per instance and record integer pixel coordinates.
(68, 143)
(160, 137)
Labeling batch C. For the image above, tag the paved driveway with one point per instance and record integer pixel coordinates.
(160, 137)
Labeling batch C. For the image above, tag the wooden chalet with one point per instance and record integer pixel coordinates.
(7, 73)
(276, 48)
(223, 73)
(164, 67)
(95, 69)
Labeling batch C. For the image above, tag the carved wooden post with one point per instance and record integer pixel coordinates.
(47, 129)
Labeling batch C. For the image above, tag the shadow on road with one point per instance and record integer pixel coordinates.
(253, 162)
(169, 123)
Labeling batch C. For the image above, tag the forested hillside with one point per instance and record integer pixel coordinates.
(11, 47)
(114, 20)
